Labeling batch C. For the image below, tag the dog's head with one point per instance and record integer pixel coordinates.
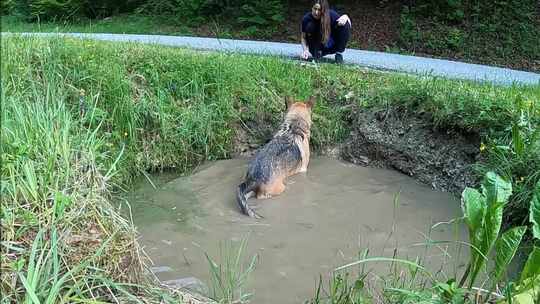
(300, 108)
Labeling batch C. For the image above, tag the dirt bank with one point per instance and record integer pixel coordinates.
(409, 143)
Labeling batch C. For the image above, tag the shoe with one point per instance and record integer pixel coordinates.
(339, 58)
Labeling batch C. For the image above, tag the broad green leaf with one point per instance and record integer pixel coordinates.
(496, 189)
(505, 248)
(534, 214)
(532, 266)
(473, 205)
(491, 228)
(526, 297)
(486, 238)
(528, 292)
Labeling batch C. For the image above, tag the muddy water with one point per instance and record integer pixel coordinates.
(322, 220)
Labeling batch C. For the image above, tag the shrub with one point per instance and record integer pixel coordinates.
(66, 9)
(243, 12)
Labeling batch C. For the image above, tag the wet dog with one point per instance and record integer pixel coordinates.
(285, 155)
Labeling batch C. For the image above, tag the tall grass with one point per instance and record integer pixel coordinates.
(55, 191)
(81, 118)
(228, 273)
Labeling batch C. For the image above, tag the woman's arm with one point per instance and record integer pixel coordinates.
(305, 48)
(344, 19)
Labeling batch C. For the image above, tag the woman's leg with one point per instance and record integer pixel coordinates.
(315, 48)
(341, 36)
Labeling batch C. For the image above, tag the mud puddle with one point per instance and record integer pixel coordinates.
(322, 220)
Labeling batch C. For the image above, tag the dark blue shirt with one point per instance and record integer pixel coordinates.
(308, 18)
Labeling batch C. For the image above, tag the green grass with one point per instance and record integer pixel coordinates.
(136, 24)
(121, 24)
(229, 275)
(80, 119)
(61, 238)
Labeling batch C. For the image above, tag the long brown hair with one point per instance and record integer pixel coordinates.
(325, 19)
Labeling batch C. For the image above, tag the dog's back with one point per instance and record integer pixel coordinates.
(286, 154)
(279, 156)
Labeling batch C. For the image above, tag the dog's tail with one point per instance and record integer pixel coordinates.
(241, 192)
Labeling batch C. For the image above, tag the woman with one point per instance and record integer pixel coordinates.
(324, 32)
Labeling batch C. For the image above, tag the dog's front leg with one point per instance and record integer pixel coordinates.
(305, 156)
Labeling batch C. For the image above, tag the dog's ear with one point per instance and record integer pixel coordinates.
(288, 102)
(311, 101)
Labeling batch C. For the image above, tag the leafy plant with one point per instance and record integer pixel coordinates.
(408, 33)
(450, 292)
(261, 13)
(341, 291)
(483, 216)
(229, 275)
(6, 7)
(527, 290)
(187, 11)
(243, 12)
(487, 31)
(516, 156)
(67, 9)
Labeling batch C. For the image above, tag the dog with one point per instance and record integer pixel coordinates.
(286, 154)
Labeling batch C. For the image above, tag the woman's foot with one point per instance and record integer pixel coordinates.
(339, 58)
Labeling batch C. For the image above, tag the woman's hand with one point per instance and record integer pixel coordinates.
(343, 20)
(305, 54)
